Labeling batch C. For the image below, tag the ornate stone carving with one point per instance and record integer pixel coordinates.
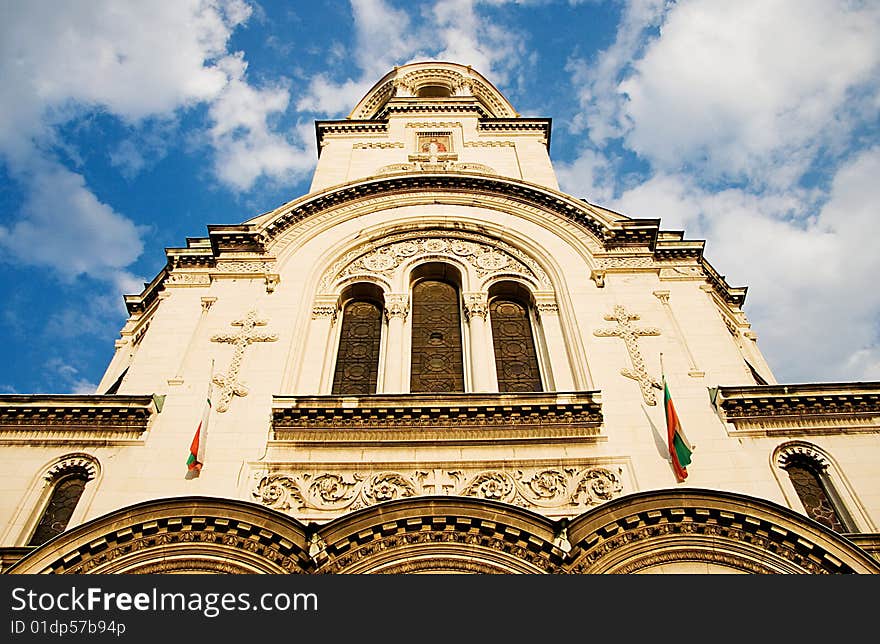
(381, 145)
(626, 262)
(568, 490)
(801, 449)
(85, 463)
(228, 382)
(476, 304)
(279, 492)
(245, 266)
(324, 310)
(630, 336)
(488, 257)
(489, 144)
(188, 279)
(396, 305)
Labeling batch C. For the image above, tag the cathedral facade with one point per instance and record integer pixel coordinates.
(436, 361)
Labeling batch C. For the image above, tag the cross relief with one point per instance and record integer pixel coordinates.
(629, 333)
(229, 382)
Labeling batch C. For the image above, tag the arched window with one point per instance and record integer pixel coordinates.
(357, 360)
(516, 357)
(437, 362)
(66, 493)
(813, 491)
(810, 475)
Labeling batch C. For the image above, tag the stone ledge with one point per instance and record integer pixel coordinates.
(817, 408)
(53, 419)
(450, 417)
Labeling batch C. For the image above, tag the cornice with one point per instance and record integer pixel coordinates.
(617, 235)
(348, 127)
(817, 408)
(416, 418)
(516, 125)
(58, 419)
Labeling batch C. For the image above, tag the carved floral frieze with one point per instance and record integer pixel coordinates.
(487, 256)
(559, 489)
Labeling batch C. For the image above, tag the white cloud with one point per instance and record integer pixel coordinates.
(246, 146)
(67, 377)
(812, 296)
(730, 105)
(749, 90)
(66, 227)
(589, 177)
(137, 62)
(385, 36)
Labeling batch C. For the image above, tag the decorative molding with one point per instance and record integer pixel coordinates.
(229, 382)
(396, 306)
(149, 543)
(625, 262)
(434, 125)
(73, 463)
(63, 419)
(630, 335)
(565, 490)
(676, 534)
(598, 276)
(176, 278)
(825, 408)
(794, 449)
(476, 305)
(489, 144)
(488, 256)
(379, 145)
(416, 418)
(245, 267)
(442, 163)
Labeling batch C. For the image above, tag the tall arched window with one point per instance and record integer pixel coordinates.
(815, 493)
(357, 360)
(66, 493)
(516, 358)
(437, 364)
(820, 486)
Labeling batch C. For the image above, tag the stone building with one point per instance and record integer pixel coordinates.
(437, 361)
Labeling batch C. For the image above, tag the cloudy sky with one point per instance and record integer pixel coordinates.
(128, 126)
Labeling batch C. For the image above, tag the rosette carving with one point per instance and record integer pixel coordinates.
(495, 485)
(279, 492)
(388, 486)
(597, 485)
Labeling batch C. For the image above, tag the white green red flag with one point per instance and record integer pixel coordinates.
(680, 449)
(197, 448)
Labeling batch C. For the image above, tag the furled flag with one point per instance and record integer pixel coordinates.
(197, 448)
(679, 448)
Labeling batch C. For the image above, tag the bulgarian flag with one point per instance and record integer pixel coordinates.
(197, 448)
(679, 448)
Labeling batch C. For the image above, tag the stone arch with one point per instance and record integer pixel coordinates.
(843, 495)
(646, 530)
(484, 252)
(186, 534)
(440, 534)
(31, 508)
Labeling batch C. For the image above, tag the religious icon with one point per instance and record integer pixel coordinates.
(434, 144)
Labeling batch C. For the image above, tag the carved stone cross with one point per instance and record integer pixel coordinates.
(229, 381)
(630, 336)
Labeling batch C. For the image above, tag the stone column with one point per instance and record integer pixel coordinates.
(560, 368)
(317, 352)
(476, 308)
(396, 310)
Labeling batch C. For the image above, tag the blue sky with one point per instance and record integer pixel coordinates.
(127, 127)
